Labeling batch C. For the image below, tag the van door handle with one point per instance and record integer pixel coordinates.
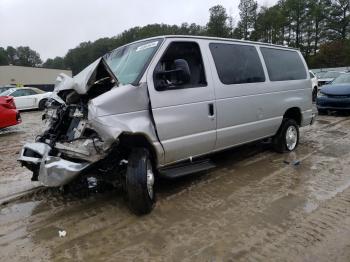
(211, 110)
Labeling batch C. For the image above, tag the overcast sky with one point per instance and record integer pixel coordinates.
(51, 27)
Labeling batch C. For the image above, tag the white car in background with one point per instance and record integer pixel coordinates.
(329, 77)
(314, 82)
(28, 97)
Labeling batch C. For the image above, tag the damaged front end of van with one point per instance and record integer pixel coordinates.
(92, 122)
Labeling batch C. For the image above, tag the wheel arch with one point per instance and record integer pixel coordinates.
(133, 140)
(293, 113)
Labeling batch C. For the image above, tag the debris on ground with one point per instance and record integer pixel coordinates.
(296, 162)
(62, 233)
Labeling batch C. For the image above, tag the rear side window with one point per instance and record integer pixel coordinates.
(283, 64)
(237, 64)
(31, 92)
(20, 92)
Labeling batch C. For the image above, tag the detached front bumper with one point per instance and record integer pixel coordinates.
(52, 171)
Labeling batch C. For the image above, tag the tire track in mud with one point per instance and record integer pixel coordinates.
(309, 232)
(191, 203)
(248, 209)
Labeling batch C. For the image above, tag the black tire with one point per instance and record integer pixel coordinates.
(42, 104)
(140, 201)
(314, 94)
(279, 141)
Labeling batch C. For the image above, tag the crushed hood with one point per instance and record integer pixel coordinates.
(82, 82)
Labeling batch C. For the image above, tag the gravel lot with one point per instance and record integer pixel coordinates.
(255, 206)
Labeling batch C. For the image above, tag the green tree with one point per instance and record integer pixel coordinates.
(295, 10)
(22, 56)
(339, 19)
(56, 63)
(3, 57)
(332, 54)
(248, 14)
(318, 14)
(269, 26)
(217, 25)
(27, 57)
(78, 58)
(81, 56)
(11, 55)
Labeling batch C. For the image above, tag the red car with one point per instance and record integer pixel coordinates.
(9, 115)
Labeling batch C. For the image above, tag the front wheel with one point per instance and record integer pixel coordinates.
(42, 104)
(140, 182)
(287, 137)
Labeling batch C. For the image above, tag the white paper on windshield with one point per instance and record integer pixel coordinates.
(146, 46)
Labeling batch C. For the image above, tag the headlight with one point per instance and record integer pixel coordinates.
(321, 95)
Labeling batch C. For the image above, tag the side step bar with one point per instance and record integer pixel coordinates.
(184, 169)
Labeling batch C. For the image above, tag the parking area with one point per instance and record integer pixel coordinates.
(256, 205)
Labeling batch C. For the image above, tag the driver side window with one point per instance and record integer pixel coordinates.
(181, 66)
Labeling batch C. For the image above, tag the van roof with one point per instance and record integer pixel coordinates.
(215, 38)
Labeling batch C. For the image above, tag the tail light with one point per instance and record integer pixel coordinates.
(9, 102)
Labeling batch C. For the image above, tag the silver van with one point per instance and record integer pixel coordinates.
(160, 106)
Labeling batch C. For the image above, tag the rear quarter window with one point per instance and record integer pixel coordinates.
(283, 64)
(237, 64)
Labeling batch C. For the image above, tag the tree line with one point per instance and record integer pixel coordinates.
(319, 28)
(22, 56)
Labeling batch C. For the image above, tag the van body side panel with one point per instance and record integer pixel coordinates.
(251, 111)
(181, 115)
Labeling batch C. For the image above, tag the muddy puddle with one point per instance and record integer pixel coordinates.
(255, 206)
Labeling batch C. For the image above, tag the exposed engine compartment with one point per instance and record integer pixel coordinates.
(67, 128)
(69, 144)
(68, 133)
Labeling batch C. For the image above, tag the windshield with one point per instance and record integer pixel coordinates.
(6, 93)
(129, 62)
(342, 79)
(331, 74)
(320, 74)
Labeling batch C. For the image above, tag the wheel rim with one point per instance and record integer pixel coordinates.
(150, 179)
(291, 137)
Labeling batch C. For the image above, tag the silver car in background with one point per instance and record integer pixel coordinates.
(160, 106)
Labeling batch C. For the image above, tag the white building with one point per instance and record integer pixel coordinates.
(43, 78)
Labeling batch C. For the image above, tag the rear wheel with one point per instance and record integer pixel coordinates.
(287, 137)
(140, 182)
(42, 104)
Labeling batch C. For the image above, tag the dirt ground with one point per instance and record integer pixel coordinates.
(255, 206)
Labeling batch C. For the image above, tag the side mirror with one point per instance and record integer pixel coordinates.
(180, 75)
